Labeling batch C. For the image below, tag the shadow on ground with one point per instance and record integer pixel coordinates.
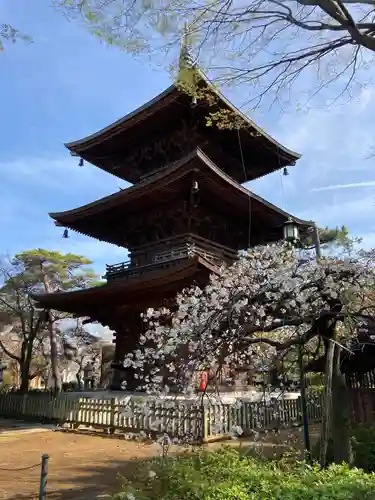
(7, 425)
(81, 467)
(93, 481)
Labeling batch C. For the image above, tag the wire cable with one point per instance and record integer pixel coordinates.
(245, 177)
(21, 468)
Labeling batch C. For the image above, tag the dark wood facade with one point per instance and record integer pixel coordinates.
(174, 128)
(185, 215)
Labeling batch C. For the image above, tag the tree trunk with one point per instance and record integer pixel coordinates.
(79, 381)
(342, 449)
(326, 420)
(25, 363)
(54, 356)
(53, 343)
(24, 376)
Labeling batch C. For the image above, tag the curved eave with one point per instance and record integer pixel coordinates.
(286, 151)
(120, 292)
(141, 113)
(160, 181)
(165, 98)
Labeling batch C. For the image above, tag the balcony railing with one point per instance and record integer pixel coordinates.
(160, 260)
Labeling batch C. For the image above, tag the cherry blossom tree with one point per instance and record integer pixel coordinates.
(272, 300)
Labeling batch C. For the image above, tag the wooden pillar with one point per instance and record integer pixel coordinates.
(107, 358)
(127, 334)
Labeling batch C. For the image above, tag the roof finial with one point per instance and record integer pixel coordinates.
(186, 60)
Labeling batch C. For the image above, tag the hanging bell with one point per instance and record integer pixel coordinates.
(80, 164)
(285, 171)
(66, 234)
(195, 187)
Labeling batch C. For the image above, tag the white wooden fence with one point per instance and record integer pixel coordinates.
(179, 418)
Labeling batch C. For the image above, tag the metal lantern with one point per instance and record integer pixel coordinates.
(291, 232)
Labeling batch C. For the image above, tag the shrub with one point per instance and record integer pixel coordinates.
(363, 442)
(226, 475)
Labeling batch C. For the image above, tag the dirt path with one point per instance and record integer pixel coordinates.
(80, 466)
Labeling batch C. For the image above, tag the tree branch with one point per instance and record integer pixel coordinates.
(8, 353)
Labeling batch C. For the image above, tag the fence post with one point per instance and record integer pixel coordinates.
(50, 407)
(303, 403)
(205, 418)
(43, 478)
(23, 404)
(112, 416)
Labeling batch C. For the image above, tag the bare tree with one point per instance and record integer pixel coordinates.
(80, 347)
(22, 326)
(265, 43)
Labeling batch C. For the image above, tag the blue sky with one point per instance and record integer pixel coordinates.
(67, 85)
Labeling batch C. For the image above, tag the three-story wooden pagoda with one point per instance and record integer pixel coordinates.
(184, 215)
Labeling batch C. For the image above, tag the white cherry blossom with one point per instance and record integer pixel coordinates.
(259, 308)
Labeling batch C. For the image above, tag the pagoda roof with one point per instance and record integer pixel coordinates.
(105, 148)
(131, 292)
(94, 219)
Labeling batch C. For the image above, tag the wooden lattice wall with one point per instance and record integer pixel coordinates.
(362, 406)
(361, 380)
(362, 397)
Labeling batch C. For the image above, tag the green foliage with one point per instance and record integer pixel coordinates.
(106, 20)
(10, 34)
(229, 475)
(32, 272)
(64, 271)
(363, 443)
(337, 237)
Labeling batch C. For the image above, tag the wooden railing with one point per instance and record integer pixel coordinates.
(179, 418)
(128, 270)
(160, 260)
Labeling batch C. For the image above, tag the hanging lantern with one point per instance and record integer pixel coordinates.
(203, 381)
(285, 171)
(65, 234)
(80, 164)
(291, 232)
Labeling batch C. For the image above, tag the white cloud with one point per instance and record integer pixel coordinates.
(334, 143)
(44, 185)
(102, 332)
(345, 186)
(61, 175)
(320, 128)
(350, 213)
